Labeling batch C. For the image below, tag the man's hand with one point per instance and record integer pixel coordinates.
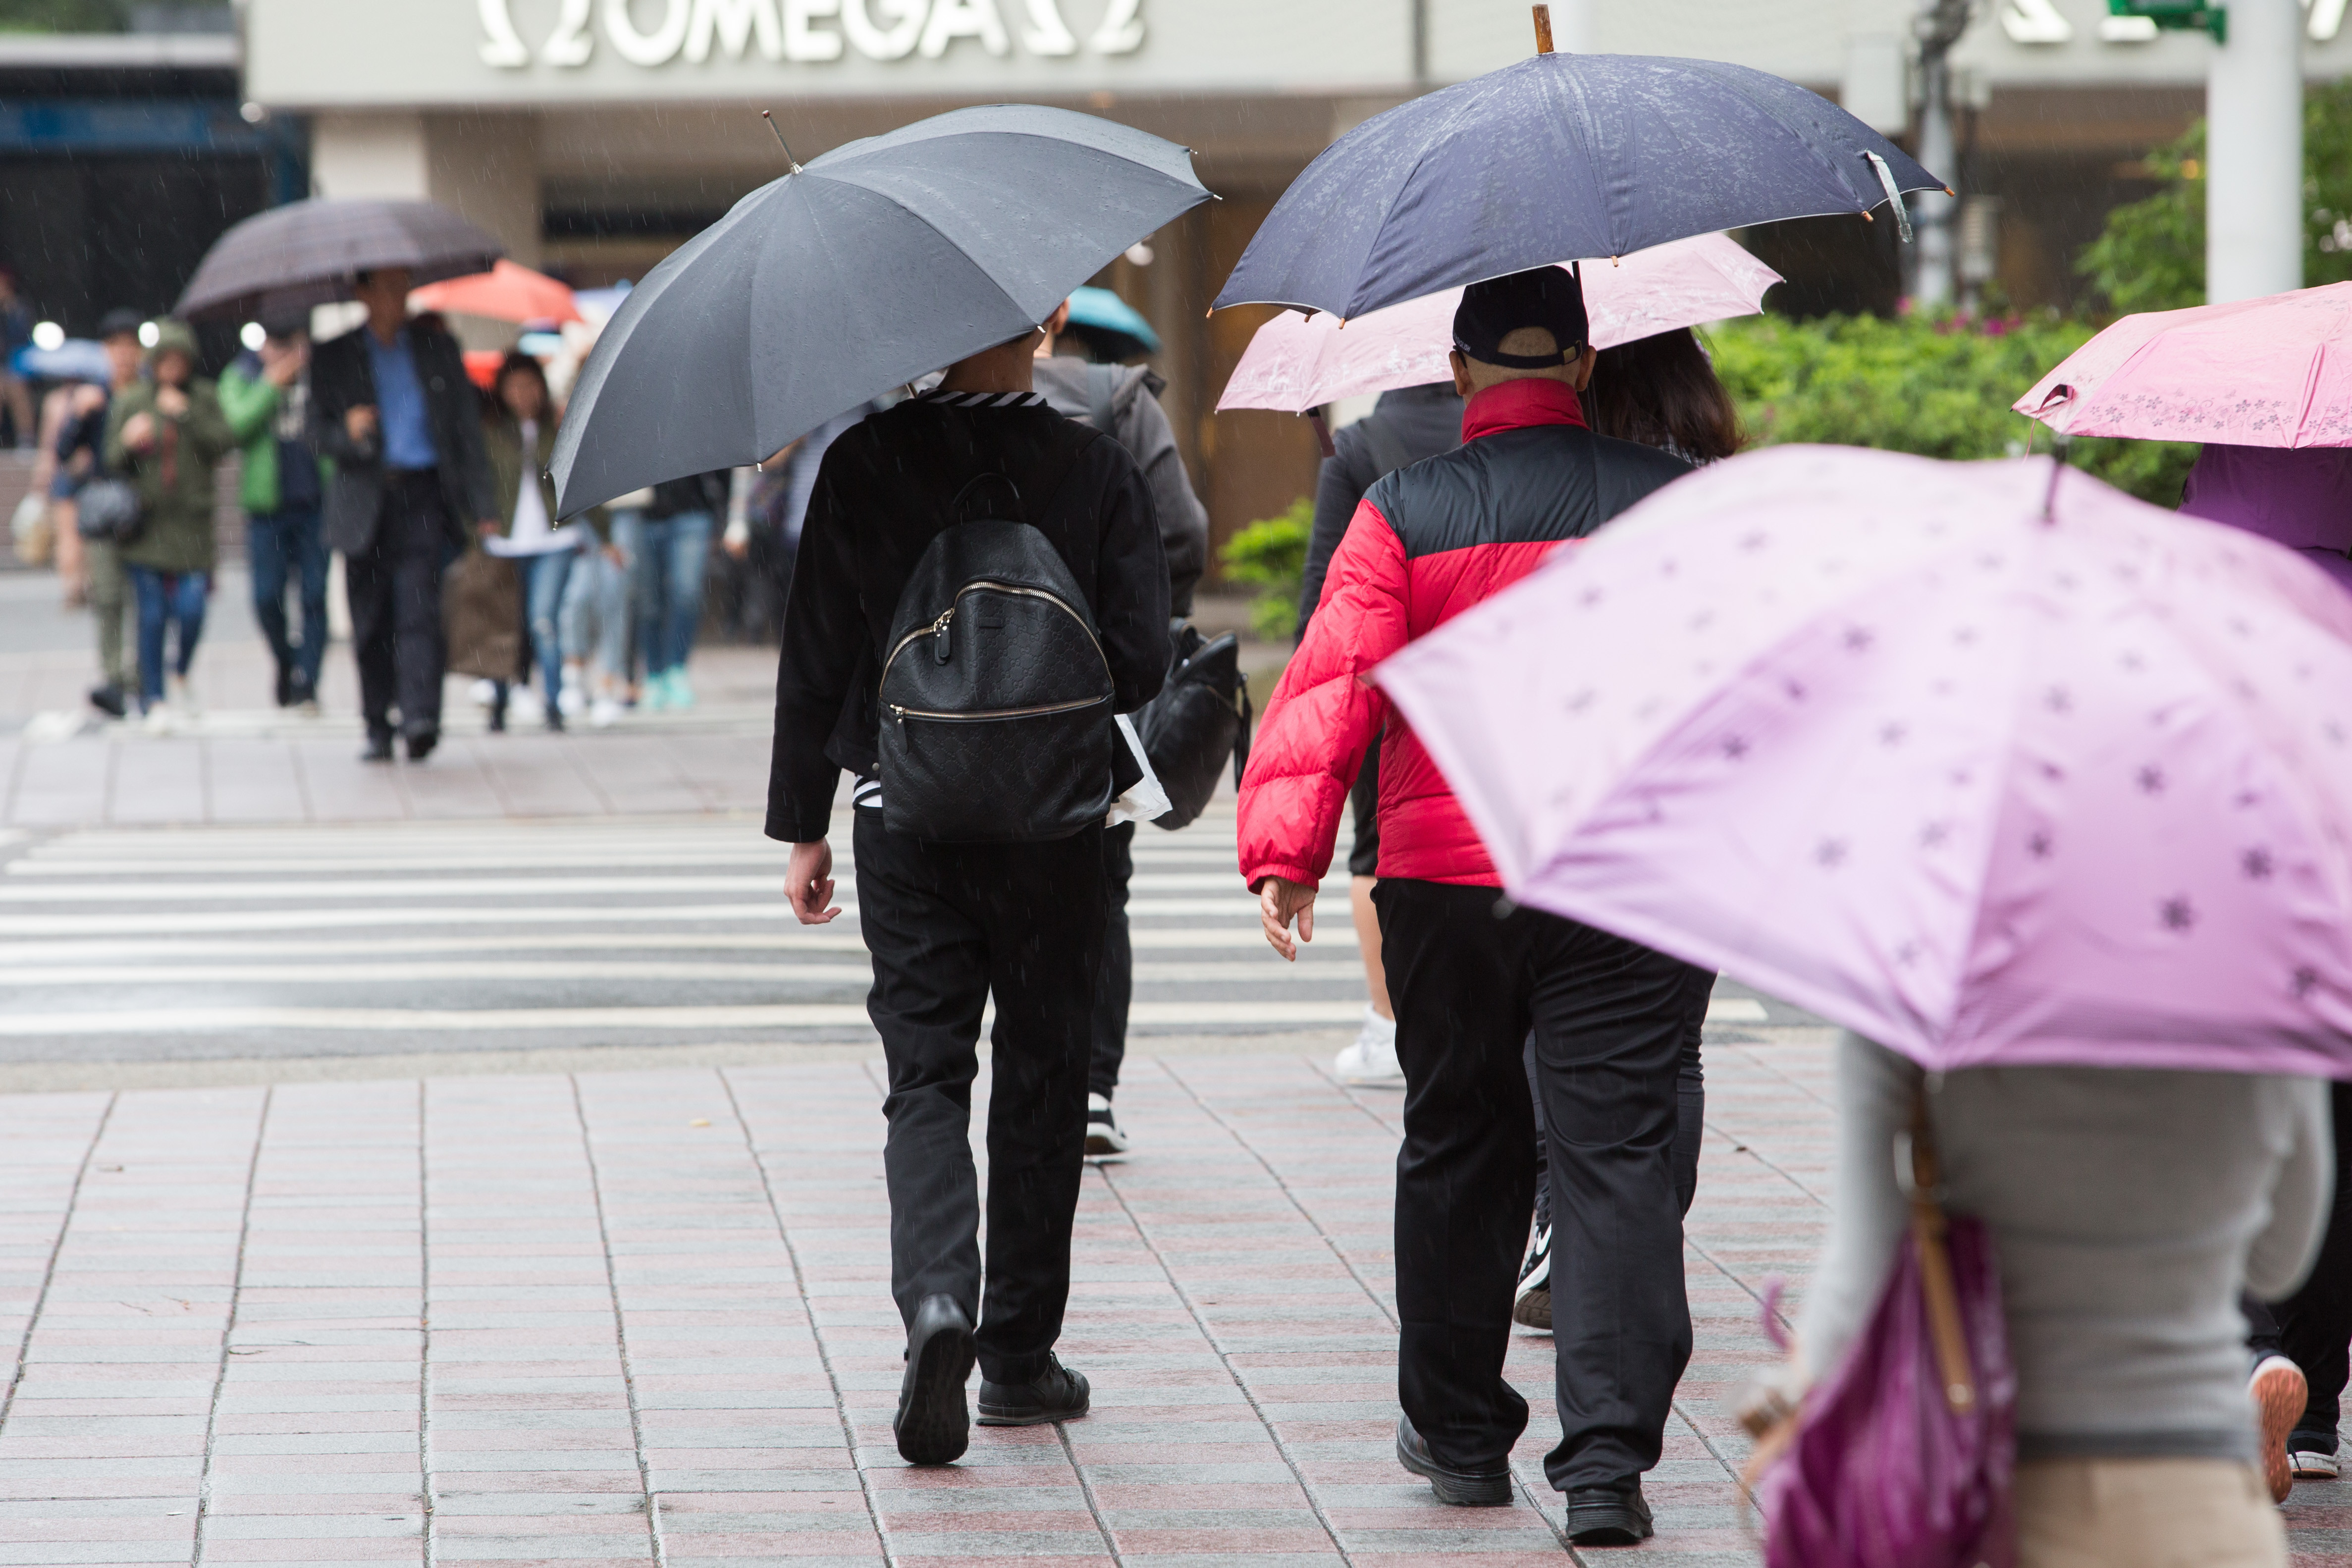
(358, 421)
(487, 529)
(280, 367)
(139, 431)
(808, 882)
(172, 400)
(88, 399)
(1278, 902)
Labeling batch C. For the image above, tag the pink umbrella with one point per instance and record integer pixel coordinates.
(2275, 372)
(1297, 362)
(1866, 732)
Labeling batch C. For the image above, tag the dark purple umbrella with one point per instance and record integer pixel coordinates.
(1558, 155)
(308, 253)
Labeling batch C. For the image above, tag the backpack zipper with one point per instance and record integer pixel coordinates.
(940, 626)
(1000, 712)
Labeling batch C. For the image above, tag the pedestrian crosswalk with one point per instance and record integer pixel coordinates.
(131, 945)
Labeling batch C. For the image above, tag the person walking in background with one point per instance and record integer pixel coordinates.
(1469, 980)
(953, 925)
(396, 412)
(265, 394)
(2128, 1209)
(519, 432)
(1405, 425)
(593, 629)
(667, 541)
(81, 457)
(1123, 403)
(16, 331)
(166, 435)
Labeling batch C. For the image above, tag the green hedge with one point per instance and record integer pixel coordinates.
(1270, 555)
(1933, 385)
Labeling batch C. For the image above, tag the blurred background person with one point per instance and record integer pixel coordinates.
(1405, 425)
(519, 432)
(595, 628)
(167, 434)
(265, 393)
(16, 331)
(94, 567)
(667, 543)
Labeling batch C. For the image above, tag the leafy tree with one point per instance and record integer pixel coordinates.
(1270, 555)
(2151, 256)
(64, 16)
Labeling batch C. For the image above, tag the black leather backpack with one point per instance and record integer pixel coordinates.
(1200, 719)
(995, 696)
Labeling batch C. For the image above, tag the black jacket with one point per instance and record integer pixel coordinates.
(1406, 425)
(1129, 396)
(696, 492)
(885, 491)
(342, 379)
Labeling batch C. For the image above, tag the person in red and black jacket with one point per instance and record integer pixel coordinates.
(1470, 974)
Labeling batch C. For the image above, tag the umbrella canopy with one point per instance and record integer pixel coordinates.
(1866, 732)
(76, 359)
(877, 262)
(2274, 372)
(1560, 156)
(1114, 328)
(309, 253)
(1298, 362)
(508, 292)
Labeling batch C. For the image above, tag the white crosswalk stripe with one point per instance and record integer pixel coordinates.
(252, 940)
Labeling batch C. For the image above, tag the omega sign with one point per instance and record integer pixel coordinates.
(654, 32)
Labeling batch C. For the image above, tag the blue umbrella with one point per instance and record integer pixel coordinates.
(881, 261)
(1558, 156)
(76, 359)
(1111, 327)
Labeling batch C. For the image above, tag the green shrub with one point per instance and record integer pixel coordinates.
(1270, 555)
(1937, 386)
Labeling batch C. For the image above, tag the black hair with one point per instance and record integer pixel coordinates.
(1662, 391)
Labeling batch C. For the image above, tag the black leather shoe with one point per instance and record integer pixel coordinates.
(108, 700)
(285, 687)
(932, 1424)
(379, 749)
(1463, 1488)
(421, 744)
(1057, 1394)
(1615, 1515)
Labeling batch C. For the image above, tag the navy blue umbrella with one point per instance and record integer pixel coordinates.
(879, 261)
(1557, 156)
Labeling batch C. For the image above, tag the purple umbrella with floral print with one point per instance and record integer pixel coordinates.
(2274, 372)
(1988, 762)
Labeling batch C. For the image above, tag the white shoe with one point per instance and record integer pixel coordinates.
(1104, 1136)
(571, 701)
(523, 706)
(604, 714)
(1370, 1059)
(483, 692)
(159, 720)
(182, 701)
(2310, 1465)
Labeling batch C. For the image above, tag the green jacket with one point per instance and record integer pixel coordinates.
(249, 401)
(503, 439)
(178, 533)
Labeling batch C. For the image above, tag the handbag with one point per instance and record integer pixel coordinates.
(1902, 1457)
(109, 510)
(481, 613)
(1201, 718)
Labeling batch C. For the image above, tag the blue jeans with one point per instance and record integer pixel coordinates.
(543, 580)
(279, 545)
(666, 558)
(166, 596)
(598, 597)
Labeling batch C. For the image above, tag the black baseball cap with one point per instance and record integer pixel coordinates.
(1551, 297)
(118, 321)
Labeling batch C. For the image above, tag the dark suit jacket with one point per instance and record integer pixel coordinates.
(342, 379)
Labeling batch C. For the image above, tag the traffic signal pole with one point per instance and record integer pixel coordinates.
(2253, 163)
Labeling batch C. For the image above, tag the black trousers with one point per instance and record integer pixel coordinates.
(2313, 1328)
(1690, 1113)
(1608, 1017)
(1116, 987)
(395, 589)
(949, 925)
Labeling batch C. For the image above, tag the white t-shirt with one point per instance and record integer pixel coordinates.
(531, 532)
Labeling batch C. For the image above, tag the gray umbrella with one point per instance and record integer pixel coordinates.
(308, 253)
(877, 262)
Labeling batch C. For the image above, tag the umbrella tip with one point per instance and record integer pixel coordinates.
(769, 116)
(1543, 29)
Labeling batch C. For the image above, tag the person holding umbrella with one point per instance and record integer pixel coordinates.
(396, 412)
(1468, 980)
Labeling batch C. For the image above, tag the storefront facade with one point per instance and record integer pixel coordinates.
(593, 136)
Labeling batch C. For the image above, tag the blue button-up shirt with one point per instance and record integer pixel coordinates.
(407, 431)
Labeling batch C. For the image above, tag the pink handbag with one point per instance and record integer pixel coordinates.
(1902, 1457)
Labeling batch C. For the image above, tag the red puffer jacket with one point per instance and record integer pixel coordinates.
(1427, 542)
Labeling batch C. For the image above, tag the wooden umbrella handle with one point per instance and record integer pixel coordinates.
(1543, 29)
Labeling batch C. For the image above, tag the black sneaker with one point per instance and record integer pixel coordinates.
(285, 687)
(379, 749)
(1056, 1394)
(1104, 1137)
(1616, 1515)
(1463, 1488)
(109, 701)
(933, 1426)
(1531, 1308)
(421, 744)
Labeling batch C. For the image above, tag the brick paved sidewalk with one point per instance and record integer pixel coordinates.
(644, 1317)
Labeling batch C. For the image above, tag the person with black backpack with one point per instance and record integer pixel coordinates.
(980, 589)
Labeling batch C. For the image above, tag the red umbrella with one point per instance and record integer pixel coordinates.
(508, 292)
